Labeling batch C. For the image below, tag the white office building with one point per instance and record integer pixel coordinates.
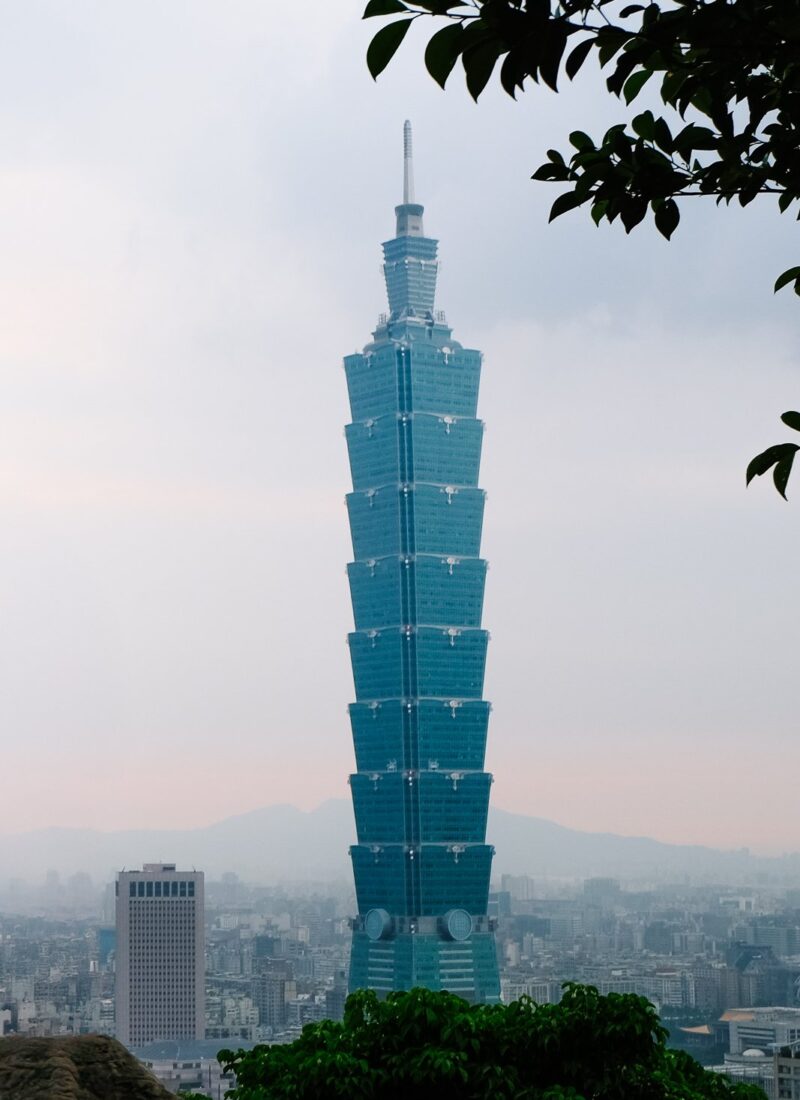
(160, 972)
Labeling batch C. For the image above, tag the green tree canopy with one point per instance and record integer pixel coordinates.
(726, 72)
(425, 1044)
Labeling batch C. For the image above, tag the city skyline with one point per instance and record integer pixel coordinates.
(181, 268)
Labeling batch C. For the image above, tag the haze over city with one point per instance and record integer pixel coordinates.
(193, 199)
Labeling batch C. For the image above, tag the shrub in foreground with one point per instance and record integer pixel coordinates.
(424, 1044)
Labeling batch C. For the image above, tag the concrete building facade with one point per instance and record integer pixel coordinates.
(160, 969)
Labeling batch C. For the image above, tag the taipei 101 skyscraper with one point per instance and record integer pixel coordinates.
(420, 792)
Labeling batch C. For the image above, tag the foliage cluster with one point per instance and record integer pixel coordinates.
(733, 64)
(726, 72)
(588, 1047)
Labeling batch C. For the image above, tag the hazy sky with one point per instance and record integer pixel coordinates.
(192, 199)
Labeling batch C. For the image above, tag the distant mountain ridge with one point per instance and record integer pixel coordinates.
(283, 843)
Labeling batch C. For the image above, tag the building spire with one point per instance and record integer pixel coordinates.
(409, 214)
(408, 165)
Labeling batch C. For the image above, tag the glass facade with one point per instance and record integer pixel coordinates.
(419, 722)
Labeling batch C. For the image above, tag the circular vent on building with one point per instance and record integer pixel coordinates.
(458, 924)
(377, 924)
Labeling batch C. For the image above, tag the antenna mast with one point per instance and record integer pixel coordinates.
(408, 164)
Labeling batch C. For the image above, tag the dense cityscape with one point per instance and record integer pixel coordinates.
(721, 965)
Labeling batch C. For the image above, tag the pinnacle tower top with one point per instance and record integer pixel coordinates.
(409, 214)
(408, 164)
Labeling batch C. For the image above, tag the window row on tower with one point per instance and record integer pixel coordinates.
(419, 807)
(424, 589)
(393, 379)
(426, 733)
(424, 880)
(406, 447)
(416, 519)
(423, 661)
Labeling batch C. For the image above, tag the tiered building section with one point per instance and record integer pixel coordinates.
(418, 650)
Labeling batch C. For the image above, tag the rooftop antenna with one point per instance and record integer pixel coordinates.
(409, 213)
(408, 164)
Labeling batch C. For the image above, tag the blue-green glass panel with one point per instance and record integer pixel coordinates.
(468, 969)
(428, 661)
(375, 522)
(376, 593)
(446, 734)
(454, 880)
(372, 446)
(379, 877)
(447, 523)
(428, 519)
(450, 664)
(453, 806)
(410, 272)
(378, 734)
(449, 589)
(452, 736)
(442, 449)
(439, 590)
(378, 802)
(446, 448)
(444, 383)
(372, 383)
(381, 664)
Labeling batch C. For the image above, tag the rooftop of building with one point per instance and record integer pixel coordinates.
(767, 1015)
(186, 1050)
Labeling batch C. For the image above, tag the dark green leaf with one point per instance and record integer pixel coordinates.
(551, 171)
(703, 138)
(599, 209)
(703, 101)
(442, 52)
(513, 72)
(644, 125)
(667, 218)
(610, 41)
(564, 203)
(792, 420)
(632, 212)
(780, 475)
(580, 140)
(440, 7)
(577, 57)
(663, 135)
(789, 276)
(385, 44)
(479, 63)
(767, 459)
(383, 7)
(634, 84)
(673, 84)
(554, 45)
(618, 142)
(624, 67)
